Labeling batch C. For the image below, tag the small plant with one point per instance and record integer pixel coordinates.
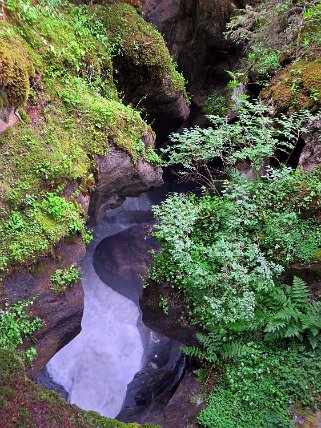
(16, 324)
(315, 95)
(163, 303)
(62, 279)
(87, 236)
(215, 104)
(152, 157)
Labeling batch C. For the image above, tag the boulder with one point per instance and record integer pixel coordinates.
(117, 178)
(186, 403)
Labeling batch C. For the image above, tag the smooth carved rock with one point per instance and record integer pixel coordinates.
(170, 324)
(193, 30)
(117, 178)
(185, 405)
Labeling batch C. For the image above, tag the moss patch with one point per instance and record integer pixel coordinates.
(297, 87)
(139, 47)
(15, 72)
(26, 404)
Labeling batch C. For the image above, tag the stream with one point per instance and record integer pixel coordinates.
(116, 365)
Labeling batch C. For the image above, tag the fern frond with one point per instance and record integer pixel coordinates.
(298, 293)
(233, 350)
(286, 314)
(274, 326)
(194, 351)
(292, 331)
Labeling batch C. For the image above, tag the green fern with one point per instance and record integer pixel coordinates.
(233, 350)
(298, 293)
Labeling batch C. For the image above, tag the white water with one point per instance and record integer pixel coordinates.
(97, 365)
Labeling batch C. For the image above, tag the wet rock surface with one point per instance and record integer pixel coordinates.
(117, 178)
(122, 260)
(193, 30)
(61, 313)
(172, 323)
(311, 154)
(185, 405)
(309, 273)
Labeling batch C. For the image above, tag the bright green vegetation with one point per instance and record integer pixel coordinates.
(282, 35)
(16, 324)
(62, 279)
(152, 157)
(26, 404)
(59, 57)
(28, 232)
(57, 68)
(253, 138)
(227, 252)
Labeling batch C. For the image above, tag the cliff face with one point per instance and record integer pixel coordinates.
(193, 30)
(68, 142)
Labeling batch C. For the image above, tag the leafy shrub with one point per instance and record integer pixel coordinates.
(215, 104)
(226, 252)
(257, 390)
(16, 324)
(252, 138)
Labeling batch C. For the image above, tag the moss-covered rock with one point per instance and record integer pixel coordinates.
(15, 71)
(26, 404)
(141, 47)
(72, 117)
(144, 69)
(296, 87)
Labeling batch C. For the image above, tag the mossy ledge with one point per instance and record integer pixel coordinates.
(296, 87)
(56, 64)
(26, 404)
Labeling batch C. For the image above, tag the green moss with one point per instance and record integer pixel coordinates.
(74, 114)
(15, 71)
(297, 87)
(26, 404)
(139, 47)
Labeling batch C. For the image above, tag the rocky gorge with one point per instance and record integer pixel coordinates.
(76, 154)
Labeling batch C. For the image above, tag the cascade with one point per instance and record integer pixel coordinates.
(116, 365)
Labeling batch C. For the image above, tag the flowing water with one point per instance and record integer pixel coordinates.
(116, 365)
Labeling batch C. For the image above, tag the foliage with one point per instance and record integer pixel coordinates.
(275, 29)
(226, 251)
(215, 104)
(38, 228)
(227, 254)
(152, 157)
(256, 390)
(62, 279)
(15, 325)
(252, 138)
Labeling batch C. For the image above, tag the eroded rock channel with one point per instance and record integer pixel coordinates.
(116, 365)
